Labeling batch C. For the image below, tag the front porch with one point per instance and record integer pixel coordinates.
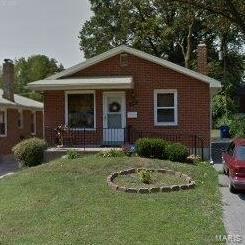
(87, 141)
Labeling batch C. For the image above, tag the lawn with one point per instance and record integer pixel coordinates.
(68, 202)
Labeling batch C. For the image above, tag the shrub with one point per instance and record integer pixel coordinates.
(145, 176)
(177, 152)
(237, 127)
(29, 152)
(223, 121)
(72, 154)
(151, 148)
(111, 153)
(222, 104)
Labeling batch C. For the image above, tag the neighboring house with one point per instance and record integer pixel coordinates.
(20, 117)
(123, 94)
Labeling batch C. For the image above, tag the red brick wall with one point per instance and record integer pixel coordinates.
(15, 134)
(193, 97)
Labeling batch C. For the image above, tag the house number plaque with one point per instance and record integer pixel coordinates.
(132, 114)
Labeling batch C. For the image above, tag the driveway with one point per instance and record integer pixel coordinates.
(234, 210)
(8, 167)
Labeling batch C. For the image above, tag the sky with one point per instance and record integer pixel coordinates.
(49, 27)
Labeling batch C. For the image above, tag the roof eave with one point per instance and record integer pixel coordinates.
(75, 87)
(17, 106)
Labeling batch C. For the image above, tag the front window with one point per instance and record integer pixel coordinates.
(165, 107)
(240, 153)
(3, 123)
(81, 110)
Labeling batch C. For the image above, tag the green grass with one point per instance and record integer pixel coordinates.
(157, 180)
(68, 202)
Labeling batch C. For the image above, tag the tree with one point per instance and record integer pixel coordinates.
(33, 68)
(36, 67)
(163, 29)
(232, 10)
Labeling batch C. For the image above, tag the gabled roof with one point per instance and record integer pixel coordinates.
(124, 49)
(20, 102)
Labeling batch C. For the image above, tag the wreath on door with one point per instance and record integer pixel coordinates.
(115, 107)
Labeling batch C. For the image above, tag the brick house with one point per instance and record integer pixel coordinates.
(20, 117)
(123, 94)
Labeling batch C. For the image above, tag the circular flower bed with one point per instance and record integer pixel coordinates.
(162, 180)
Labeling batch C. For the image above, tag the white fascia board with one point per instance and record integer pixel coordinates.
(72, 87)
(84, 83)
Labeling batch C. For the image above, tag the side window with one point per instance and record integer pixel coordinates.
(165, 107)
(3, 123)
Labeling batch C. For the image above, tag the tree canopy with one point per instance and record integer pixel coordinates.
(166, 29)
(231, 10)
(33, 68)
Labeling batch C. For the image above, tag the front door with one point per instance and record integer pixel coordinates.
(114, 118)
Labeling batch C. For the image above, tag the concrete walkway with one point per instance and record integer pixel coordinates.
(8, 167)
(234, 210)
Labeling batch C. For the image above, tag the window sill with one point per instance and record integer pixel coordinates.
(166, 125)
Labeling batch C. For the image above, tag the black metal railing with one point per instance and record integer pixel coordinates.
(86, 137)
(112, 137)
(194, 143)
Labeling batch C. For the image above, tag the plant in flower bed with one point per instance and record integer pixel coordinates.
(194, 159)
(111, 153)
(72, 154)
(147, 178)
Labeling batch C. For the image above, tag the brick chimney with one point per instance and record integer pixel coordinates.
(8, 80)
(202, 58)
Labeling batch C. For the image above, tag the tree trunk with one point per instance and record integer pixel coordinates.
(189, 45)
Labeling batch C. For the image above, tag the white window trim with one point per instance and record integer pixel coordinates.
(66, 107)
(21, 119)
(5, 122)
(34, 123)
(166, 91)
